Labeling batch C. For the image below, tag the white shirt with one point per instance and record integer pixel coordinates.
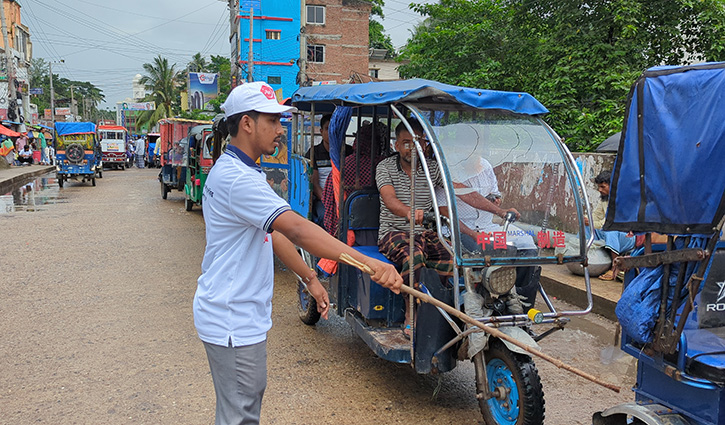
(139, 146)
(233, 300)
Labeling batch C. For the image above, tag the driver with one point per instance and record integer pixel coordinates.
(478, 200)
(393, 178)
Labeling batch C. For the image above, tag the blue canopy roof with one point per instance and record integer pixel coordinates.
(377, 93)
(668, 176)
(65, 128)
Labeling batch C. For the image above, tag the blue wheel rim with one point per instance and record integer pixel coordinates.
(504, 411)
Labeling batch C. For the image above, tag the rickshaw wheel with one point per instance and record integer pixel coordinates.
(188, 204)
(60, 181)
(516, 374)
(164, 191)
(93, 181)
(307, 307)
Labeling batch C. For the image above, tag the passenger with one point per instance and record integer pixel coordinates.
(393, 177)
(477, 201)
(619, 243)
(321, 169)
(25, 156)
(363, 142)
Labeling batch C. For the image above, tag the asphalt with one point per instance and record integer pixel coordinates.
(557, 281)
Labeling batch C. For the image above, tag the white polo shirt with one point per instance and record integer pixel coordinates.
(233, 300)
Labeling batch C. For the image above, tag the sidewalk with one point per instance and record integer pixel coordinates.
(11, 177)
(559, 282)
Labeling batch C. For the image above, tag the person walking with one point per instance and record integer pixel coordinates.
(140, 150)
(246, 224)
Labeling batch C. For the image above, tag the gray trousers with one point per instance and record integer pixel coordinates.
(240, 378)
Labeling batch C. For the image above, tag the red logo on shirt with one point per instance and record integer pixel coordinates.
(267, 91)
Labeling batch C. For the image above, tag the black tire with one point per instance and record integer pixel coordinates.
(189, 204)
(307, 305)
(164, 191)
(515, 372)
(93, 181)
(100, 174)
(60, 181)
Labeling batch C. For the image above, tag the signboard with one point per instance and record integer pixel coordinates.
(323, 83)
(203, 87)
(38, 90)
(62, 111)
(142, 106)
(47, 114)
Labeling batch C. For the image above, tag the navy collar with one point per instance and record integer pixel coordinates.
(237, 153)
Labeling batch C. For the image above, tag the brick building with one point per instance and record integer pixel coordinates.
(337, 37)
(21, 50)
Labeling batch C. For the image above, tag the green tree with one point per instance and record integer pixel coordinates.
(197, 64)
(578, 58)
(164, 82)
(378, 39)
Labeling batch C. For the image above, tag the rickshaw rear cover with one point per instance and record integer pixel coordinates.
(65, 128)
(668, 173)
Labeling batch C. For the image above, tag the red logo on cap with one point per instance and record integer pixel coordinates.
(267, 91)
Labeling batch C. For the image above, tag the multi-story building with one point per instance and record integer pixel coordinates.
(337, 39)
(274, 41)
(21, 50)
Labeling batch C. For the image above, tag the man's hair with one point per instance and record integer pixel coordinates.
(414, 124)
(233, 121)
(325, 119)
(603, 177)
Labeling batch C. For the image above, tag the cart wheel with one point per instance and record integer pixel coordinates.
(189, 204)
(60, 181)
(100, 174)
(164, 191)
(516, 376)
(307, 306)
(93, 181)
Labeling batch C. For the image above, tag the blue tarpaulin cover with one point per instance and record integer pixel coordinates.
(377, 93)
(668, 175)
(65, 128)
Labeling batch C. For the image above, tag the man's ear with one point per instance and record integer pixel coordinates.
(246, 124)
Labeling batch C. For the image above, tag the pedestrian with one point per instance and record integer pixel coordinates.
(140, 148)
(246, 224)
(44, 159)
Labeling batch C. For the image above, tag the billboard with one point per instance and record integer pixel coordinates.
(47, 115)
(143, 106)
(62, 111)
(203, 87)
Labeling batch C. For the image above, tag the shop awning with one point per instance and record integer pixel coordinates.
(8, 132)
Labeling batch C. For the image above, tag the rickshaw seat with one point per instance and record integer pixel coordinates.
(362, 210)
(372, 252)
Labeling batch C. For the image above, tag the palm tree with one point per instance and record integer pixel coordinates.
(163, 81)
(198, 63)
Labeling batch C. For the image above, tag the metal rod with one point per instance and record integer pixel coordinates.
(344, 258)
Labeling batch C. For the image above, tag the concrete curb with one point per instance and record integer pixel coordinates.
(7, 185)
(578, 296)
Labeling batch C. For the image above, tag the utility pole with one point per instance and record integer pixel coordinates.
(250, 56)
(303, 44)
(52, 94)
(12, 95)
(72, 103)
(234, 41)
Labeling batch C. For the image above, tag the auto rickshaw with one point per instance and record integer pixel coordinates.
(77, 152)
(200, 160)
(174, 145)
(469, 131)
(113, 139)
(668, 180)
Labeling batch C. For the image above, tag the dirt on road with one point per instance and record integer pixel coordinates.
(97, 328)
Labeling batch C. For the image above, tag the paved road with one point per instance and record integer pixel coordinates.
(97, 329)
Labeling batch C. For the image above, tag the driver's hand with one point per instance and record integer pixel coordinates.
(586, 221)
(385, 274)
(418, 216)
(513, 210)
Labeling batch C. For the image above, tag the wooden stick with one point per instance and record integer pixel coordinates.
(345, 258)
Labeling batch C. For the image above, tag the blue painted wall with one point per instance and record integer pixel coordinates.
(279, 57)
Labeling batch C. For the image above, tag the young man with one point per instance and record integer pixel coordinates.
(245, 223)
(25, 156)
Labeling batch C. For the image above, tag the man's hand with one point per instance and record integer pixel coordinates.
(418, 216)
(503, 213)
(586, 221)
(319, 293)
(385, 274)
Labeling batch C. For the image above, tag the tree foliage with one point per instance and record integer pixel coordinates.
(378, 39)
(164, 83)
(578, 58)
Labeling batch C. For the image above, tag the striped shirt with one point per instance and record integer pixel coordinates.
(389, 172)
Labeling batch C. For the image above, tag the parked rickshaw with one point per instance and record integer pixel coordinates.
(77, 152)
(200, 152)
(152, 157)
(113, 139)
(174, 144)
(469, 131)
(668, 179)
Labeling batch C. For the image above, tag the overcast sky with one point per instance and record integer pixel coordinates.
(107, 42)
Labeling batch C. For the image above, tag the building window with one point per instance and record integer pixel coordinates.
(316, 15)
(273, 34)
(373, 73)
(316, 53)
(274, 80)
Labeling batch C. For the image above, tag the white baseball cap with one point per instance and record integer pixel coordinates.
(255, 96)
